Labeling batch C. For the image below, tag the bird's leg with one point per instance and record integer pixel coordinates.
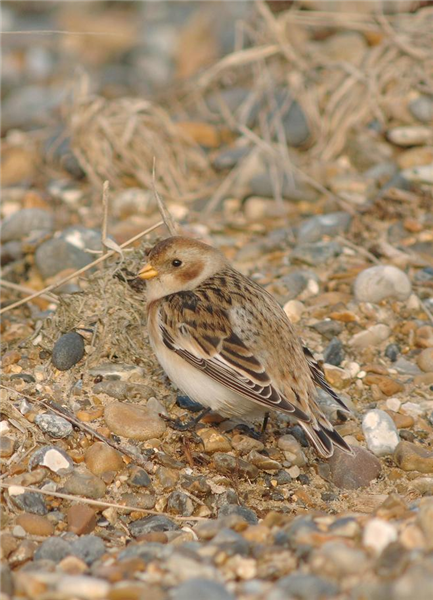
(264, 425)
(188, 425)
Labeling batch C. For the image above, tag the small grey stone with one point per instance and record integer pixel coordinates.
(193, 589)
(55, 426)
(153, 523)
(241, 511)
(11, 251)
(404, 366)
(180, 503)
(31, 105)
(89, 548)
(328, 328)
(331, 224)
(139, 478)
(227, 159)
(25, 222)
(226, 463)
(54, 548)
(422, 108)
(6, 581)
(68, 351)
(148, 551)
(380, 432)
(316, 253)
(334, 353)
(30, 502)
(57, 254)
(262, 184)
(83, 483)
(297, 281)
(231, 542)
(392, 351)
(424, 275)
(305, 587)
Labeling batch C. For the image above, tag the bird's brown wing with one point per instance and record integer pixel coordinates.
(211, 345)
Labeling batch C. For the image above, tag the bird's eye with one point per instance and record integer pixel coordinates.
(176, 262)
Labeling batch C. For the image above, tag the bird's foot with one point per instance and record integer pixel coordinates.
(189, 425)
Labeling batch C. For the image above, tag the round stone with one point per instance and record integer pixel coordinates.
(25, 222)
(201, 588)
(352, 472)
(35, 524)
(83, 483)
(68, 351)
(101, 458)
(54, 548)
(425, 360)
(53, 458)
(55, 426)
(381, 282)
(134, 422)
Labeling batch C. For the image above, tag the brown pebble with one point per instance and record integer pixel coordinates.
(101, 458)
(213, 441)
(35, 524)
(401, 421)
(72, 565)
(81, 519)
(7, 446)
(423, 379)
(425, 360)
(132, 421)
(8, 543)
(424, 337)
(10, 358)
(410, 457)
(258, 533)
(153, 536)
(351, 472)
(387, 386)
(90, 415)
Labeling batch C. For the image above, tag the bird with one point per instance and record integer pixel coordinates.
(226, 342)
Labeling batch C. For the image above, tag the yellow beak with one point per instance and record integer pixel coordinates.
(147, 272)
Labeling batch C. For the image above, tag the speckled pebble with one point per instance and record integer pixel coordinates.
(55, 426)
(30, 502)
(213, 441)
(83, 483)
(68, 351)
(55, 459)
(180, 504)
(383, 281)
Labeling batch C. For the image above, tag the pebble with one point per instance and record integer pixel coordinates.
(180, 504)
(292, 450)
(6, 581)
(56, 255)
(293, 119)
(7, 446)
(35, 524)
(245, 444)
(372, 336)
(331, 224)
(151, 524)
(25, 222)
(68, 351)
(226, 463)
(133, 422)
(425, 360)
(101, 458)
(378, 283)
(82, 587)
(303, 586)
(300, 281)
(30, 502)
(294, 310)
(201, 588)
(55, 426)
(336, 560)
(139, 478)
(54, 549)
(118, 372)
(411, 457)
(334, 352)
(328, 328)
(83, 483)
(316, 253)
(378, 534)
(422, 108)
(263, 462)
(351, 472)
(52, 458)
(411, 135)
(243, 512)
(81, 519)
(213, 441)
(380, 432)
(167, 478)
(392, 351)
(419, 174)
(88, 548)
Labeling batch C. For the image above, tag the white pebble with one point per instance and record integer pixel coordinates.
(87, 588)
(412, 409)
(373, 336)
(380, 432)
(377, 283)
(393, 404)
(378, 534)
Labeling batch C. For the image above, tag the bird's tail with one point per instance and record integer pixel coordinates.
(324, 438)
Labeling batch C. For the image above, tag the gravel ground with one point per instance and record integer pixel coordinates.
(101, 497)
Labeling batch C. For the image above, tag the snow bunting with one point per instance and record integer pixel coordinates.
(226, 342)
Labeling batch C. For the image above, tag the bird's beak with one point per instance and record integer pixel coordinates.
(147, 272)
